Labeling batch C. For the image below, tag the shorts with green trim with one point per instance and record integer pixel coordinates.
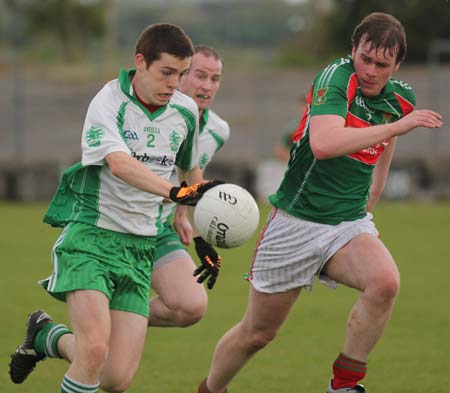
(116, 264)
(168, 247)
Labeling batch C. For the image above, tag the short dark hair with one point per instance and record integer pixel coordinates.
(208, 51)
(382, 31)
(163, 38)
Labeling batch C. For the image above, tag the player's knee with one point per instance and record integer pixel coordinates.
(116, 382)
(259, 338)
(188, 310)
(386, 287)
(95, 355)
(190, 314)
(112, 387)
(390, 288)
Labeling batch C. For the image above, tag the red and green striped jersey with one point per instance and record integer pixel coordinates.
(334, 190)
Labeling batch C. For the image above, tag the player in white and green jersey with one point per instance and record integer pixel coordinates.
(180, 301)
(320, 224)
(117, 121)
(137, 129)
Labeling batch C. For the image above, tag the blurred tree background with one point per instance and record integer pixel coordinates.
(50, 29)
(424, 21)
(56, 54)
(285, 32)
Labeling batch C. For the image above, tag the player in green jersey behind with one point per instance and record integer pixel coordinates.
(282, 149)
(137, 128)
(180, 300)
(321, 223)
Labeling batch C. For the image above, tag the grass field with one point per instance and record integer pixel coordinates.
(412, 357)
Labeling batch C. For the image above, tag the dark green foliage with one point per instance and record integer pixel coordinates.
(70, 23)
(424, 21)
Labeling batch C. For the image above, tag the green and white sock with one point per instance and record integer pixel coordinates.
(69, 385)
(46, 340)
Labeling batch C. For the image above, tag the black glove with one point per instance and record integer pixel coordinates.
(210, 262)
(190, 195)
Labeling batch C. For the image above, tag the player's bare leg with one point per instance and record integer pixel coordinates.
(90, 319)
(365, 264)
(66, 347)
(181, 301)
(123, 355)
(128, 332)
(264, 316)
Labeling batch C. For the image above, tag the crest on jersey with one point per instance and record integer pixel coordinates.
(175, 141)
(204, 159)
(94, 136)
(387, 118)
(321, 96)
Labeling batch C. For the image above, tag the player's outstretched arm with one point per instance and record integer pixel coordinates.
(137, 174)
(329, 137)
(417, 118)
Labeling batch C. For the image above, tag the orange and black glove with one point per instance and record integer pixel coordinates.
(190, 195)
(210, 262)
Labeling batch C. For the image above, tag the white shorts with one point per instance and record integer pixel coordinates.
(291, 251)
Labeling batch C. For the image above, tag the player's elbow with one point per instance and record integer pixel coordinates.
(320, 150)
(116, 169)
(375, 193)
(324, 136)
(117, 163)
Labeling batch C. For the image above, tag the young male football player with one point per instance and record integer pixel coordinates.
(321, 223)
(181, 301)
(137, 128)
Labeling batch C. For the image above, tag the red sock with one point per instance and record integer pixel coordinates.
(347, 372)
(203, 388)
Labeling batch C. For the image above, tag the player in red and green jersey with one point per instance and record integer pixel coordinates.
(321, 193)
(321, 223)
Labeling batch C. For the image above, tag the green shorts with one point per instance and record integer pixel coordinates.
(168, 246)
(116, 264)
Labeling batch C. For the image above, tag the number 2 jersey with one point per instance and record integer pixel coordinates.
(334, 190)
(117, 122)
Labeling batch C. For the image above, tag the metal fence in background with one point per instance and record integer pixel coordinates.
(42, 116)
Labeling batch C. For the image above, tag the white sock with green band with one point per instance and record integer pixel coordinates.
(69, 385)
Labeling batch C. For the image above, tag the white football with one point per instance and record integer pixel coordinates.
(226, 216)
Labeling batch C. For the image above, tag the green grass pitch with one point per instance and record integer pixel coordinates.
(412, 357)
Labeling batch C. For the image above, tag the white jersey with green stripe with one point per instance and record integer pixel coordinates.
(117, 122)
(214, 132)
(334, 190)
